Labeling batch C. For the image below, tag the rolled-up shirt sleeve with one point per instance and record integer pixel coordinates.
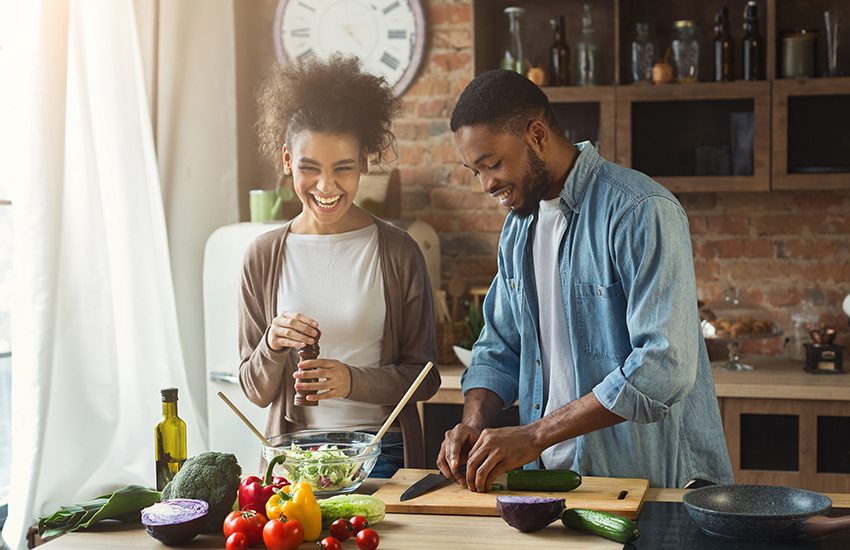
(657, 274)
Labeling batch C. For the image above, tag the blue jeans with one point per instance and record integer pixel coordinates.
(391, 457)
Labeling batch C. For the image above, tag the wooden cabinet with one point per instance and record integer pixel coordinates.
(683, 135)
(785, 426)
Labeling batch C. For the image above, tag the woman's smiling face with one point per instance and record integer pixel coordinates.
(326, 172)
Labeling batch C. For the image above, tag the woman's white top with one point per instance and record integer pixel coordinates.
(336, 280)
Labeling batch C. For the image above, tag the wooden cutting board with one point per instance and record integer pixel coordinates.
(597, 493)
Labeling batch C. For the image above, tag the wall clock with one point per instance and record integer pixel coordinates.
(387, 35)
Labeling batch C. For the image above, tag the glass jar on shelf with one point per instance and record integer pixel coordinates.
(514, 60)
(587, 51)
(644, 52)
(685, 44)
(734, 320)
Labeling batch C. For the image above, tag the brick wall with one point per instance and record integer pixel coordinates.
(779, 248)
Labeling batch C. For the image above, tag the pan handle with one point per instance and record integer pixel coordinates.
(819, 526)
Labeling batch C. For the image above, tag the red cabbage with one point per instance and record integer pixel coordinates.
(529, 513)
(175, 520)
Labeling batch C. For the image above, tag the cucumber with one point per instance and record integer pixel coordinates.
(543, 480)
(599, 523)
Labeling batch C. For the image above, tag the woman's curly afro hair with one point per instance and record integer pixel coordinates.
(333, 95)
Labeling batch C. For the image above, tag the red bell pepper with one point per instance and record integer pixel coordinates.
(255, 492)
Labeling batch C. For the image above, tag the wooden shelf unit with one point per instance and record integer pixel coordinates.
(613, 106)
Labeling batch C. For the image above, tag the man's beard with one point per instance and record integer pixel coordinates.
(535, 184)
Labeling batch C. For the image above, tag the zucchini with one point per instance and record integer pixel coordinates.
(602, 524)
(553, 481)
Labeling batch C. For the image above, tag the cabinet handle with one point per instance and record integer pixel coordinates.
(224, 377)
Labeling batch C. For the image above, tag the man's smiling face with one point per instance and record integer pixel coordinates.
(507, 165)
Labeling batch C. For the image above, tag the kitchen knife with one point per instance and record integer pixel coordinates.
(427, 483)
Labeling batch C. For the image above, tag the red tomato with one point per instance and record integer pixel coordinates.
(283, 534)
(367, 539)
(236, 541)
(341, 529)
(247, 521)
(329, 543)
(359, 523)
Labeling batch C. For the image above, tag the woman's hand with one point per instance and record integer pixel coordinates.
(291, 330)
(337, 378)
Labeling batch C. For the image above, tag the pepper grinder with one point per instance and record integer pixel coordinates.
(310, 351)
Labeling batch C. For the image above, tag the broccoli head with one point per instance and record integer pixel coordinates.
(212, 477)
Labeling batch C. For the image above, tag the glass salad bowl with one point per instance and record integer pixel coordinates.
(734, 321)
(330, 462)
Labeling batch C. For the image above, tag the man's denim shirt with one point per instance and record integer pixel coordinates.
(629, 293)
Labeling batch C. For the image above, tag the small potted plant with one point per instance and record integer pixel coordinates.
(474, 325)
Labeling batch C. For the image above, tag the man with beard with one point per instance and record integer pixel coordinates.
(591, 322)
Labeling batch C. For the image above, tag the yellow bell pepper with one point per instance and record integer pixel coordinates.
(297, 502)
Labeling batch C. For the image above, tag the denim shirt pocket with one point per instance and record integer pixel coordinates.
(515, 295)
(603, 333)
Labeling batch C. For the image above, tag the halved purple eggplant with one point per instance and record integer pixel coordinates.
(176, 520)
(529, 513)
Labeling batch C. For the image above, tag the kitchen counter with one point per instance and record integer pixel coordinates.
(397, 532)
(773, 377)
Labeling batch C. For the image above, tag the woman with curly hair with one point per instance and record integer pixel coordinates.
(335, 268)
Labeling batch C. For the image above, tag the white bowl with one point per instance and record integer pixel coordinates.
(464, 355)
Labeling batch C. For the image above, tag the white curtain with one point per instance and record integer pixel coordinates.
(95, 332)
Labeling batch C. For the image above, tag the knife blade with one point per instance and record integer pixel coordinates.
(427, 483)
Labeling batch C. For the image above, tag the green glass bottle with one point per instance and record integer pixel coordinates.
(170, 440)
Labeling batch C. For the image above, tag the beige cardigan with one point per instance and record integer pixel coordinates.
(409, 338)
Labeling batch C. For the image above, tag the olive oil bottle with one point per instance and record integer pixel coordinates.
(170, 440)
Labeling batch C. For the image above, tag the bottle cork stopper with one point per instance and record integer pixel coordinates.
(310, 351)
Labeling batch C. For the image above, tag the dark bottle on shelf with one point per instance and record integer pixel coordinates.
(752, 45)
(724, 48)
(559, 55)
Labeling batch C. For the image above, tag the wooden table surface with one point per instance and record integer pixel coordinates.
(397, 532)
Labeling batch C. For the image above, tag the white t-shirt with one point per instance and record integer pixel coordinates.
(336, 280)
(555, 348)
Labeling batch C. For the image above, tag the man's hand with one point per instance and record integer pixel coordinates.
(337, 378)
(454, 451)
(497, 451)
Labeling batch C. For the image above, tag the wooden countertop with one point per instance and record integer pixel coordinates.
(397, 532)
(773, 377)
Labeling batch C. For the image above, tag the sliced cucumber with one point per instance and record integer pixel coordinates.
(599, 523)
(543, 480)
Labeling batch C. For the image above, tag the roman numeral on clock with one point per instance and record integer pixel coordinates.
(390, 61)
(397, 35)
(305, 32)
(390, 8)
(306, 54)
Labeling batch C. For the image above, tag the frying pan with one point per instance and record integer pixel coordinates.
(762, 512)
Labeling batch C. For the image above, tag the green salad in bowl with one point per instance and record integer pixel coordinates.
(329, 462)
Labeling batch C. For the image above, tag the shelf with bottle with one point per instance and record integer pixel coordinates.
(663, 17)
(491, 36)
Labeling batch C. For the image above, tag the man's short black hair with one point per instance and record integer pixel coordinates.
(504, 100)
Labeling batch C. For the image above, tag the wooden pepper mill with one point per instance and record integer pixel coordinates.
(310, 351)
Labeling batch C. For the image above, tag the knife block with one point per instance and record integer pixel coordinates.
(310, 351)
